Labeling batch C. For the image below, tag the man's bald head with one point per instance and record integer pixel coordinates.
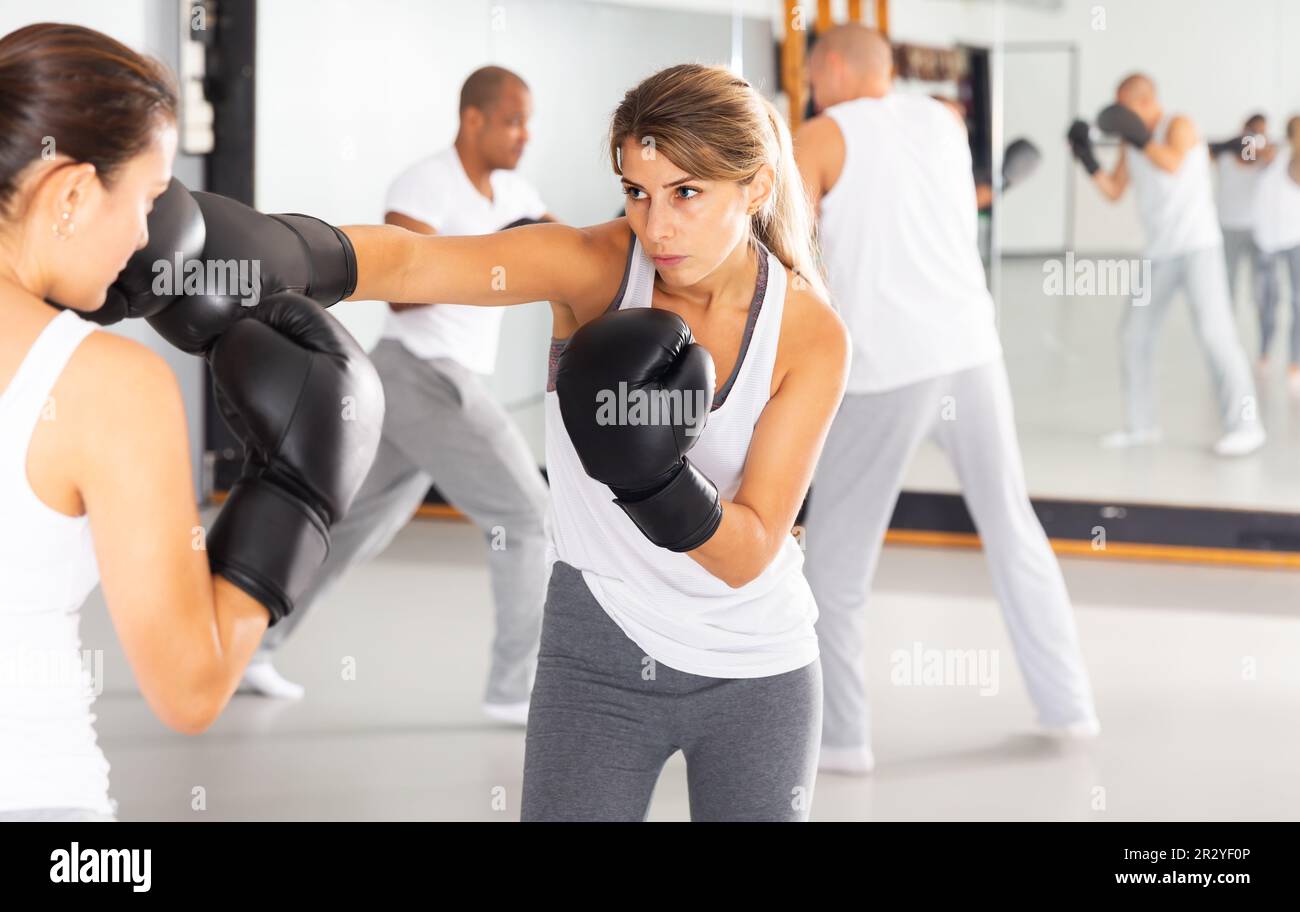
(485, 85)
(850, 61)
(864, 50)
(1135, 87)
(1137, 91)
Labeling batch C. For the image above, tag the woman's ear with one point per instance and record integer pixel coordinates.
(65, 188)
(761, 188)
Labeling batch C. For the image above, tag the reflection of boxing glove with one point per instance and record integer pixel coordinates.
(1226, 146)
(249, 256)
(635, 392)
(1123, 121)
(1246, 147)
(309, 407)
(1080, 138)
(1019, 161)
(176, 235)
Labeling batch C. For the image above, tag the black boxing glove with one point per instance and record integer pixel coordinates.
(1019, 162)
(646, 360)
(145, 286)
(1124, 122)
(300, 393)
(1232, 145)
(1245, 148)
(521, 222)
(1080, 139)
(249, 256)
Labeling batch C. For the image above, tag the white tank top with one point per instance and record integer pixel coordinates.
(1176, 210)
(1238, 185)
(899, 238)
(666, 603)
(1277, 224)
(48, 754)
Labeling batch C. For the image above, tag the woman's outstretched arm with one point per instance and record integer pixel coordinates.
(535, 263)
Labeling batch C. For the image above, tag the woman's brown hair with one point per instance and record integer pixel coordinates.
(69, 90)
(715, 126)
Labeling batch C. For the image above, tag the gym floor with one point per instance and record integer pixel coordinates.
(1195, 686)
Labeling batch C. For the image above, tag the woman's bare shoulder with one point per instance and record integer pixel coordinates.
(116, 382)
(809, 321)
(606, 247)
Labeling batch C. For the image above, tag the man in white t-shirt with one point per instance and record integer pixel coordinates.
(891, 177)
(442, 427)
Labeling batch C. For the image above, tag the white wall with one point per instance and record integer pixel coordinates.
(125, 20)
(328, 143)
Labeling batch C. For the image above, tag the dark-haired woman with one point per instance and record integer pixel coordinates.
(95, 483)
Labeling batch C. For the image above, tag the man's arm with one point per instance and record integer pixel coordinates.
(1113, 184)
(819, 155)
(1170, 154)
(419, 227)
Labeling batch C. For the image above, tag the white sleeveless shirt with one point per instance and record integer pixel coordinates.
(899, 237)
(1277, 225)
(1238, 188)
(48, 754)
(1176, 210)
(666, 603)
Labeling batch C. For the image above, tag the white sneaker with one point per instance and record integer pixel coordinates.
(852, 761)
(510, 713)
(1122, 440)
(1084, 730)
(261, 678)
(1241, 441)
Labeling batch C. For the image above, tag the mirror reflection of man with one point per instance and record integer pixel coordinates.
(1170, 171)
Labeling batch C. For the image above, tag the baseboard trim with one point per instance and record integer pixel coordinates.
(1133, 532)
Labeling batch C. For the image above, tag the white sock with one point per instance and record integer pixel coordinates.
(854, 761)
(261, 678)
(511, 713)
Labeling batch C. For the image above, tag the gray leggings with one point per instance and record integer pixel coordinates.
(1239, 246)
(1291, 257)
(605, 718)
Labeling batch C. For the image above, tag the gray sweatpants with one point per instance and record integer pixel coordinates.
(868, 448)
(442, 427)
(1201, 275)
(605, 718)
(1239, 247)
